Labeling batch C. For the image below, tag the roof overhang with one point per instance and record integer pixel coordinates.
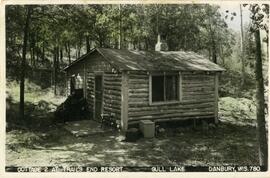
(79, 59)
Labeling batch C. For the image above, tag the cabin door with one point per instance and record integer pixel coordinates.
(98, 97)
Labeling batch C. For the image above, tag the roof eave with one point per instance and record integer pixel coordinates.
(79, 59)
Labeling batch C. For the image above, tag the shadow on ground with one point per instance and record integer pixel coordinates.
(227, 144)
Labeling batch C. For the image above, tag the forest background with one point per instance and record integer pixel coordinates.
(43, 39)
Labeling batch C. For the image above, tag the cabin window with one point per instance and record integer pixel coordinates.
(165, 88)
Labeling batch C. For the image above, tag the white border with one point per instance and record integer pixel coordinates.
(97, 175)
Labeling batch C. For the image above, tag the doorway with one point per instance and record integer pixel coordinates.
(98, 97)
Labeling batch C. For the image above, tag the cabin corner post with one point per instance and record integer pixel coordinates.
(216, 97)
(124, 102)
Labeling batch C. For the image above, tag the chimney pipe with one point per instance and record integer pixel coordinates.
(161, 46)
(158, 38)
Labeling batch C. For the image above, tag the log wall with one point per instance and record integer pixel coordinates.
(197, 93)
(111, 84)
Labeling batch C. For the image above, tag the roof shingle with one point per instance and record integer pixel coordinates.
(156, 61)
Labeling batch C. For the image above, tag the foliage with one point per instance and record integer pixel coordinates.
(241, 111)
(60, 33)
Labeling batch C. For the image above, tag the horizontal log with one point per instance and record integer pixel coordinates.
(90, 89)
(146, 103)
(198, 89)
(110, 78)
(90, 79)
(186, 82)
(109, 84)
(191, 93)
(138, 81)
(90, 95)
(138, 90)
(90, 102)
(113, 79)
(90, 84)
(183, 102)
(137, 86)
(117, 88)
(190, 85)
(198, 114)
(112, 110)
(206, 84)
(130, 122)
(111, 106)
(134, 76)
(198, 97)
(112, 97)
(139, 95)
(90, 74)
(177, 106)
(197, 76)
(170, 111)
(138, 72)
(112, 102)
(138, 100)
(187, 101)
(112, 92)
(107, 74)
(201, 78)
(115, 112)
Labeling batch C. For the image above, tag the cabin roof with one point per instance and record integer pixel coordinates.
(126, 60)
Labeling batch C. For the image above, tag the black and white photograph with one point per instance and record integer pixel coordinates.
(134, 87)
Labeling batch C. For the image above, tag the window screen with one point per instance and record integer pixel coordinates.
(171, 85)
(165, 88)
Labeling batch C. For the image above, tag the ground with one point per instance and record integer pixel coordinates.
(228, 144)
(233, 141)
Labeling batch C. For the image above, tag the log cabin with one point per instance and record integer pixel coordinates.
(158, 85)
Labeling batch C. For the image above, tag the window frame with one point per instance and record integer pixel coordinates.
(164, 74)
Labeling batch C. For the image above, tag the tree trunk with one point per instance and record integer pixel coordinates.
(88, 44)
(37, 49)
(22, 77)
(120, 28)
(67, 46)
(261, 131)
(61, 55)
(214, 52)
(43, 52)
(80, 46)
(221, 55)
(55, 69)
(79, 51)
(209, 53)
(242, 48)
(31, 56)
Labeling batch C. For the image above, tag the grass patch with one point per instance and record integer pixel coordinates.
(40, 105)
